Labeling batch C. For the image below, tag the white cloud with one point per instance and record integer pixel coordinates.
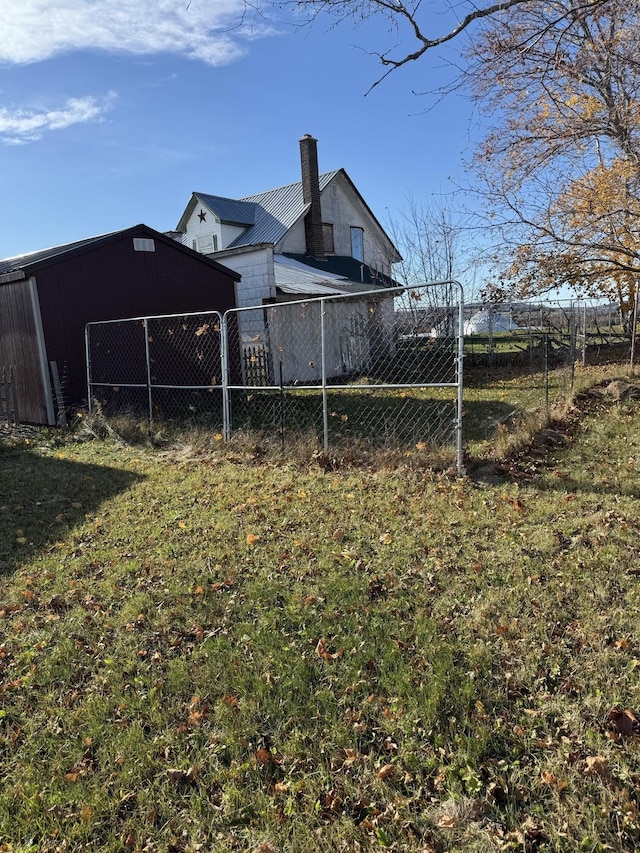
(211, 31)
(20, 126)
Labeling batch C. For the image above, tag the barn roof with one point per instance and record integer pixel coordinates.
(20, 266)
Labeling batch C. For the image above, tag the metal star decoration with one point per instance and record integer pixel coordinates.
(202, 215)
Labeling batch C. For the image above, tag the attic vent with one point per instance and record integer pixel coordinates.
(144, 244)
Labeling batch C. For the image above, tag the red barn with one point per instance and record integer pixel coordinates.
(48, 297)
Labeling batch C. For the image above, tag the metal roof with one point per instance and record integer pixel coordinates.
(276, 212)
(268, 216)
(347, 267)
(19, 262)
(295, 277)
(231, 211)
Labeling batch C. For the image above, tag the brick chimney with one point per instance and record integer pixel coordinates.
(311, 195)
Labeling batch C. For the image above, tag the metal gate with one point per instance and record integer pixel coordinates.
(382, 368)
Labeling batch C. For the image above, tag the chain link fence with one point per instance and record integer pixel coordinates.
(169, 367)
(522, 358)
(378, 369)
(342, 371)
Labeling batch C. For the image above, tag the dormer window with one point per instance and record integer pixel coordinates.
(206, 243)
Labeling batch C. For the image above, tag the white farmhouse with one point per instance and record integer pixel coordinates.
(316, 237)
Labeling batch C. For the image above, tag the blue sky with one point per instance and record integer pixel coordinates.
(113, 111)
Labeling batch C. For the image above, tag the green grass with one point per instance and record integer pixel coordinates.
(201, 650)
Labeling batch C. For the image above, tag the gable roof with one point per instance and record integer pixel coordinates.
(278, 211)
(268, 216)
(230, 211)
(21, 266)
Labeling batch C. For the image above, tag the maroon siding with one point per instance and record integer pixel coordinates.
(104, 282)
(19, 349)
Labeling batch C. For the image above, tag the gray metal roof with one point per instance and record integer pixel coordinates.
(19, 262)
(276, 212)
(295, 277)
(231, 211)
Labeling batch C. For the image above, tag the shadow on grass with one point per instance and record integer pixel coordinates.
(380, 418)
(42, 497)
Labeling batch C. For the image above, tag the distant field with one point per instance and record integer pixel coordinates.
(204, 648)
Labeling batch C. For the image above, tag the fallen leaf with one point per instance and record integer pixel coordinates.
(553, 781)
(263, 757)
(252, 538)
(386, 771)
(178, 776)
(596, 765)
(625, 723)
(323, 652)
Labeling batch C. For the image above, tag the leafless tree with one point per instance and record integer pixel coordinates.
(415, 27)
(431, 239)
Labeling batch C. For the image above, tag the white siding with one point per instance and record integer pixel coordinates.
(258, 277)
(294, 240)
(344, 212)
(196, 229)
(229, 234)
(295, 337)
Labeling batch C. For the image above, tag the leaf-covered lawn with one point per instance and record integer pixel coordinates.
(204, 653)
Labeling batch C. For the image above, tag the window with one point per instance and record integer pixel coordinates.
(327, 237)
(206, 243)
(357, 243)
(144, 244)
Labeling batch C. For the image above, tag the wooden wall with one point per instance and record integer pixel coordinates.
(19, 349)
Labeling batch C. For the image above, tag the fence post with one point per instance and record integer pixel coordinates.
(145, 324)
(224, 369)
(459, 377)
(634, 323)
(87, 350)
(573, 338)
(546, 370)
(325, 409)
